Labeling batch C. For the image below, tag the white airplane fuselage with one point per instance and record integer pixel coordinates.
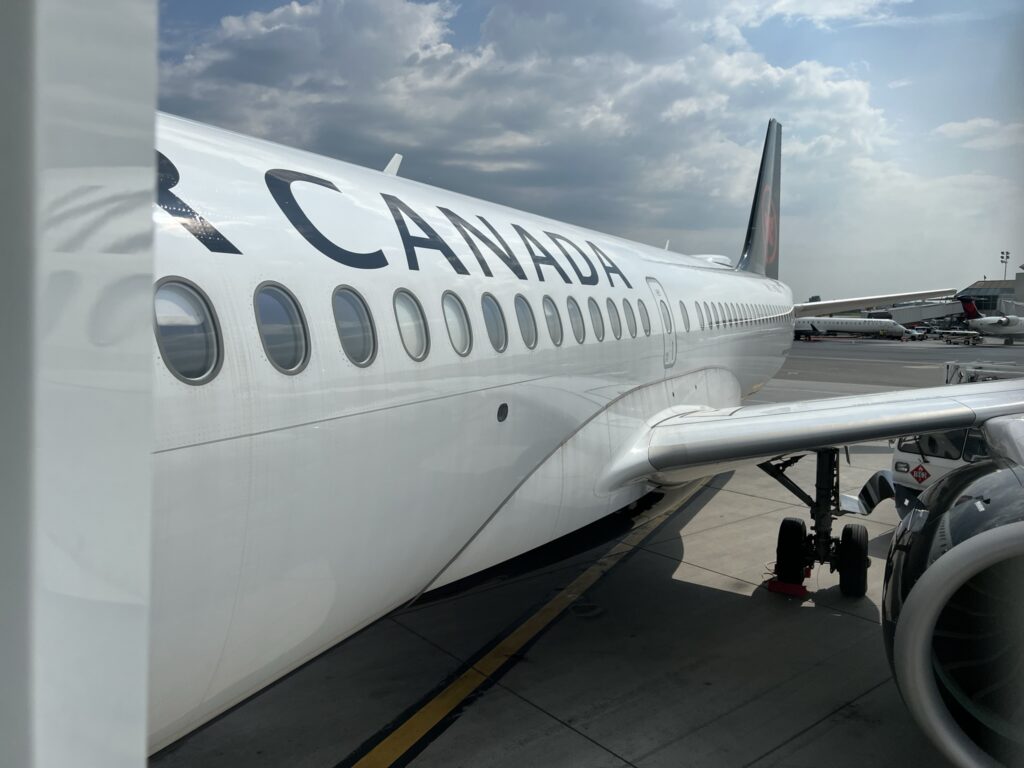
(854, 326)
(290, 511)
(1009, 327)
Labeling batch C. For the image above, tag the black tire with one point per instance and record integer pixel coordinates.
(789, 551)
(853, 561)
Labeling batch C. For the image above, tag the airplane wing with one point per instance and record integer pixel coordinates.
(865, 302)
(683, 444)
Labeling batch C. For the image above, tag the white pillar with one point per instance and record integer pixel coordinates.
(78, 89)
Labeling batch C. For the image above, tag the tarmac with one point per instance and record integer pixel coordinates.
(647, 640)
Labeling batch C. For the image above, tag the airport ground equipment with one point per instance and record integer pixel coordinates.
(967, 373)
(920, 461)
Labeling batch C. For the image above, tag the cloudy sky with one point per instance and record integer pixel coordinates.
(903, 142)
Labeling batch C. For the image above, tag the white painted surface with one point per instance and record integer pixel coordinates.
(77, 421)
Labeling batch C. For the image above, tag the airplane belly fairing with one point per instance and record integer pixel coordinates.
(530, 518)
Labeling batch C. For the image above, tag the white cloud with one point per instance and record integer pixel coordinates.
(644, 120)
(983, 133)
(935, 19)
(819, 12)
(901, 83)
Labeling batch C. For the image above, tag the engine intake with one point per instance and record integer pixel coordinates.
(953, 613)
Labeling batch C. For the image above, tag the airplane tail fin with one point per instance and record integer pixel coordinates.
(761, 248)
(970, 308)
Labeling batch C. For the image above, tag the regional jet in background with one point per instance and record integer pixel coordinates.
(367, 388)
(1005, 327)
(805, 327)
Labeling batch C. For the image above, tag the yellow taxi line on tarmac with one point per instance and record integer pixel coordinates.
(420, 723)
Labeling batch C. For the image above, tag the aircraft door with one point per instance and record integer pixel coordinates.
(663, 311)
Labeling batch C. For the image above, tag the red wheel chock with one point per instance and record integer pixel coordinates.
(785, 588)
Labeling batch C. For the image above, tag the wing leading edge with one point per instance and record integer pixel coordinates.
(677, 446)
(814, 308)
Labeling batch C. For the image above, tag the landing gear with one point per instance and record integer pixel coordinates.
(797, 551)
(853, 561)
(789, 552)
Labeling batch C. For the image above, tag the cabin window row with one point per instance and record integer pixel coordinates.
(721, 314)
(189, 337)
(188, 334)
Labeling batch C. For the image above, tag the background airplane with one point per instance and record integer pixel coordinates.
(805, 327)
(1005, 327)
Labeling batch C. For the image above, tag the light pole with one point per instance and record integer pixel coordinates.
(1004, 257)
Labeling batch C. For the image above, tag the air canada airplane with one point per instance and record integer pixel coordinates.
(1005, 327)
(367, 388)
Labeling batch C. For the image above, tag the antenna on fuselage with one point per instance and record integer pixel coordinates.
(666, 244)
(391, 169)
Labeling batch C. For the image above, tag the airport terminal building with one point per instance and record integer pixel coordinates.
(995, 295)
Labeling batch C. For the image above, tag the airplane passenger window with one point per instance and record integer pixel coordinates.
(627, 310)
(355, 326)
(645, 319)
(494, 319)
(187, 334)
(412, 324)
(666, 316)
(700, 315)
(553, 319)
(579, 330)
(460, 332)
(686, 316)
(613, 319)
(282, 328)
(596, 319)
(718, 320)
(527, 323)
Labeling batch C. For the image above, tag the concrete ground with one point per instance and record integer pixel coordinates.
(676, 656)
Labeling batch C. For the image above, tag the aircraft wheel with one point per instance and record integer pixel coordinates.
(789, 552)
(853, 561)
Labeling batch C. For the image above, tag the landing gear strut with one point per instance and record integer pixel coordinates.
(798, 551)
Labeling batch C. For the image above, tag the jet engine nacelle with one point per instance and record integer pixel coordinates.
(953, 613)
